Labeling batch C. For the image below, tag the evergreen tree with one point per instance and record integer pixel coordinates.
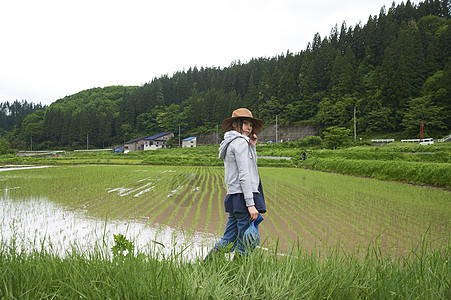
(342, 78)
(422, 109)
(251, 99)
(378, 120)
(33, 128)
(288, 86)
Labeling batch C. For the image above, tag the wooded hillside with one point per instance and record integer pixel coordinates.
(395, 70)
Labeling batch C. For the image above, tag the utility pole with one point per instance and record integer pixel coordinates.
(87, 142)
(31, 143)
(277, 129)
(421, 131)
(355, 133)
(217, 134)
(179, 136)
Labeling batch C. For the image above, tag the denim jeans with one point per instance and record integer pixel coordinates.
(237, 224)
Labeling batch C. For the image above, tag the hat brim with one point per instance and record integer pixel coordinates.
(227, 123)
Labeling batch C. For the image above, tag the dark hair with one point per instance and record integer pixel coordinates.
(239, 123)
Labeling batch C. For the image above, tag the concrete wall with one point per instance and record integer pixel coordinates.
(208, 138)
(290, 133)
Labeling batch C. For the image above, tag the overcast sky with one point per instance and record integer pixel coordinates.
(51, 49)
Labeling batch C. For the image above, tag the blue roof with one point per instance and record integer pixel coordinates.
(189, 139)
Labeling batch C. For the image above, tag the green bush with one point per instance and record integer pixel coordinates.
(4, 146)
(312, 141)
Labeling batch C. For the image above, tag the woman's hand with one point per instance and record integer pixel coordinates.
(253, 212)
(253, 139)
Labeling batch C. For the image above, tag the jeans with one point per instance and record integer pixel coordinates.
(237, 224)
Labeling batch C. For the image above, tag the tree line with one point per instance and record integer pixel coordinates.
(395, 70)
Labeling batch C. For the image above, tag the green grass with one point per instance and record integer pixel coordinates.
(438, 174)
(423, 274)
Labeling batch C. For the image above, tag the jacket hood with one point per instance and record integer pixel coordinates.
(229, 136)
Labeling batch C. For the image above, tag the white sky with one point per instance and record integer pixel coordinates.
(53, 48)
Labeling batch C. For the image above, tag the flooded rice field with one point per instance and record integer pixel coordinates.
(20, 167)
(37, 224)
(171, 209)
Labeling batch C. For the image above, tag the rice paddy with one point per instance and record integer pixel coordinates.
(324, 236)
(183, 205)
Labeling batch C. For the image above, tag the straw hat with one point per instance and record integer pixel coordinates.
(242, 113)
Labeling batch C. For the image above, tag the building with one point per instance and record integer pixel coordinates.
(148, 142)
(189, 142)
(135, 144)
(157, 141)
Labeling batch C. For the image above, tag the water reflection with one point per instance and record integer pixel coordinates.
(20, 167)
(39, 223)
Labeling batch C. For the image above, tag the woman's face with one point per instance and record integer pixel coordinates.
(246, 129)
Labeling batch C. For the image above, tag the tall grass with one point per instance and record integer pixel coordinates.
(334, 274)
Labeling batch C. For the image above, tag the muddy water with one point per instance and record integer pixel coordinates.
(41, 224)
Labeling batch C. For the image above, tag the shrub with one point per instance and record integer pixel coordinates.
(5, 147)
(336, 137)
(312, 141)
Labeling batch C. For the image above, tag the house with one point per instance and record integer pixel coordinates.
(189, 142)
(135, 144)
(157, 141)
(148, 142)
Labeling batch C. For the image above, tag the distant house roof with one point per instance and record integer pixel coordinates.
(137, 139)
(156, 136)
(148, 137)
(189, 139)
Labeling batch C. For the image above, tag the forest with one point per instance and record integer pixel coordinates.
(395, 70)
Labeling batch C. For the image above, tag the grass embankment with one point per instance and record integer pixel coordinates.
(424, 274)
(426, 165)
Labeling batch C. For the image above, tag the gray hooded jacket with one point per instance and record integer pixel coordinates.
(240, 163)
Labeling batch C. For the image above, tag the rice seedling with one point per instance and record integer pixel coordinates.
(316, 209)
(325, 235)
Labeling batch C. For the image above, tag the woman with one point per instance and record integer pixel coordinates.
(245, 199)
